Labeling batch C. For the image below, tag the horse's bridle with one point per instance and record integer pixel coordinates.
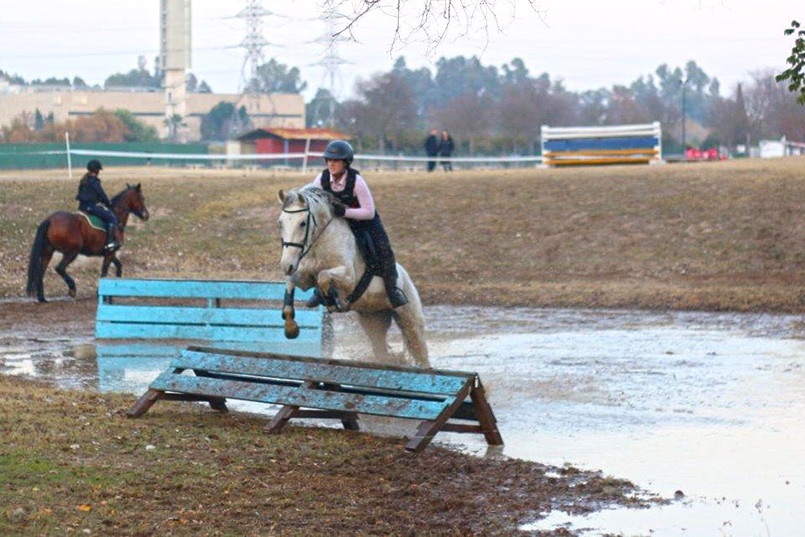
(311, 218)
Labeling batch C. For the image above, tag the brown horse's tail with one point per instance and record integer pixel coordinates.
(35, 261)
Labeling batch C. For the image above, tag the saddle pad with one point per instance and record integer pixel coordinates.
(94, 221)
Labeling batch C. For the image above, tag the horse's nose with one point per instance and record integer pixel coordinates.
(290, 269)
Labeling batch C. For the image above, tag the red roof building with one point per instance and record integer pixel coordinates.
(281, 141)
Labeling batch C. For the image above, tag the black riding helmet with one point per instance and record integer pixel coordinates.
(339, 150)
(94, 165)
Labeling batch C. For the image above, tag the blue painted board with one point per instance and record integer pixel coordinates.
(578, 144)
(223, 289)
(195, 315)
(424, 381)
(132, 350)
(378, 405)
(199, 332)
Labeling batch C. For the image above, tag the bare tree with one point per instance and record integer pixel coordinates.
(428, 21)
(469, 117)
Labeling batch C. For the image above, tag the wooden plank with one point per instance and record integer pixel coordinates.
(428, 429)
(581, 162)
(302, 397)
(195, 315)
(486, 418)
(244, 334)
(601, 144)
(222, 289)
(581, 153)
(342, 372)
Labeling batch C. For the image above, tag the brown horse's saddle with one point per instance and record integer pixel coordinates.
(94, 221)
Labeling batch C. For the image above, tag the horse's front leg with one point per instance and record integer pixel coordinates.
(288, 312)
(61, 269)
(335, 282)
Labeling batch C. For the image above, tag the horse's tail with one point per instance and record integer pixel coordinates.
(35, 261)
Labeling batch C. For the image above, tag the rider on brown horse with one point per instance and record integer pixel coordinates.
(93, 200)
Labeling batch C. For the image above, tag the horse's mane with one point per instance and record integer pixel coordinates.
(313, 195)
(117, 197)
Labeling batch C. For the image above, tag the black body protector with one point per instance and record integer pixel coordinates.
(371, 237)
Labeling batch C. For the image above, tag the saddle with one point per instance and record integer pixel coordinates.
(94, 221)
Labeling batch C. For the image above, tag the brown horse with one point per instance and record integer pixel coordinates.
(71, 234)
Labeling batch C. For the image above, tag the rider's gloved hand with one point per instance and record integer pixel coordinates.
(339, 209)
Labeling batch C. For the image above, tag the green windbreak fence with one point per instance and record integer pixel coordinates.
(37, 156)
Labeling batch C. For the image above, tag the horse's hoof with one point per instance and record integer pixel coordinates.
(42, 300)
(291, 331)
(71, 293)
(292, 334)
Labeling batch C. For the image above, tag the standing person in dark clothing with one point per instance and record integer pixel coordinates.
(355, 203)
(93, 200)
(432, 148)
(445, 150)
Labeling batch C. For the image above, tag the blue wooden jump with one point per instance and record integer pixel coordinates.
(143, 323)
(308, 387)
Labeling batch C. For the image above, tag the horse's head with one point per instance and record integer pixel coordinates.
(133, 201)
(304, 212)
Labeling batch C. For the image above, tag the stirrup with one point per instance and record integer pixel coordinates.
(112, 246)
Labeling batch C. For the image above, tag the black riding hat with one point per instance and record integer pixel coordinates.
(94, 165)
(339, 150)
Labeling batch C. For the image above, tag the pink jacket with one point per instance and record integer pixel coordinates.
(366, 211)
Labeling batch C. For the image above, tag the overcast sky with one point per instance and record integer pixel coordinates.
(586, 43)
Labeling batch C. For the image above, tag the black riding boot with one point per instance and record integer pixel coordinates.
(396, 296)
(111, 243)
(315, 300)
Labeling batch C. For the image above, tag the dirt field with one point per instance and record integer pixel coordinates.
(716, 236)
(712, 236)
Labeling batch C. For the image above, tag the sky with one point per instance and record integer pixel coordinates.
(587, 44)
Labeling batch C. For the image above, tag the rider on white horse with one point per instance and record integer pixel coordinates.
(356, 205)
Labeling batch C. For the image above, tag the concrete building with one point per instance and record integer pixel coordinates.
(267, 111)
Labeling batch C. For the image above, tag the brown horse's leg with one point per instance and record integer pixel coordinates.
(111, 259)
(61, 268)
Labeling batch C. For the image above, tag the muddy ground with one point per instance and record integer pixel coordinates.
(713, 237)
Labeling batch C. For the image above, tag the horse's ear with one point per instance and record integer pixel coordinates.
(138, 186)
(281, 196)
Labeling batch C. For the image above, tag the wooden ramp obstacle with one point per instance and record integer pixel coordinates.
(141, 324)
(308, 387)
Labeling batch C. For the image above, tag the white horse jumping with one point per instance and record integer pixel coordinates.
(319, 250)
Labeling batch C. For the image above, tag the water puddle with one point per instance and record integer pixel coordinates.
(705, 406)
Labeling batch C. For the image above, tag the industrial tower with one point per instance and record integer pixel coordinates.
(174, 55)
(325, 111)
